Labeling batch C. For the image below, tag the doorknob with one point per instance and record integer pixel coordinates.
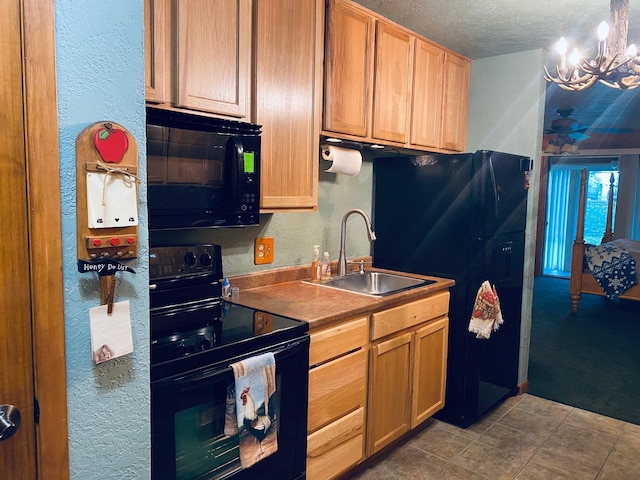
(9, 421)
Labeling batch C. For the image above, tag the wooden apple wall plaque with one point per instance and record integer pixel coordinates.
(106, 192)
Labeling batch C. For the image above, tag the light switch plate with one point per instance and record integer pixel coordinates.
(263, 251)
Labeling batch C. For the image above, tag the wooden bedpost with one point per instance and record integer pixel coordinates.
(608, 232)
(577, 252)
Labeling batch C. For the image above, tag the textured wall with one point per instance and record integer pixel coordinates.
(100, 59)
(506, 110)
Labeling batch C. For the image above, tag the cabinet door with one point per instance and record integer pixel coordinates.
(427, 91)
(390, 394)
(456, 102)
(429, 370)
(392, 71)
(156, 50)
(213, 56)
(288, 47)
(348, 65)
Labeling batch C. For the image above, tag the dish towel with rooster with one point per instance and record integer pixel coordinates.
(257, 406)
(486, 316)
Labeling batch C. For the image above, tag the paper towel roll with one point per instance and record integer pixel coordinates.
(345, 160)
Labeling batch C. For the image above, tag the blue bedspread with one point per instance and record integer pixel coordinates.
(612, 267)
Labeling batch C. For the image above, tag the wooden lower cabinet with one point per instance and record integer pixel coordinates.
(407, 368)
(335, 388)
(430, 370)
(371, 380)
(337, 398)
(390, 392)
(336, 447)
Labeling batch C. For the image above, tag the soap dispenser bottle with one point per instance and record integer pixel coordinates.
(315, 264)
(326, 267)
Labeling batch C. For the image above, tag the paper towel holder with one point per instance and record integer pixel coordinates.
(325, 142)
(350, 145)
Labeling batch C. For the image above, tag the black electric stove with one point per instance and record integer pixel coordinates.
(192, 324)
(195, 336)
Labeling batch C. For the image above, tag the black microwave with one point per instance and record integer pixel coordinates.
(201, 171)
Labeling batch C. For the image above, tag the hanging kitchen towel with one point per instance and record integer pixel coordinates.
(257, 407)
(486, 316)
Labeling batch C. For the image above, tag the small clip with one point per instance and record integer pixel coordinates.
(107, 291)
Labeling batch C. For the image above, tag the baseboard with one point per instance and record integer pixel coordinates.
(523, 387)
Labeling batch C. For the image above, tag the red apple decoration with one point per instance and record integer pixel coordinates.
(111, 143)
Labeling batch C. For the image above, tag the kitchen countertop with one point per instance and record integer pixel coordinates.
(319, 305)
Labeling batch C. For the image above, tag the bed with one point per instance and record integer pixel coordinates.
(582, 278)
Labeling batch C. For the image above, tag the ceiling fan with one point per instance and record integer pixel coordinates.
(565, 126)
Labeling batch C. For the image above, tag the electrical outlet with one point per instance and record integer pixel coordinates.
(263, 251)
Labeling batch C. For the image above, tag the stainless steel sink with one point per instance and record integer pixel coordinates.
(378, 284)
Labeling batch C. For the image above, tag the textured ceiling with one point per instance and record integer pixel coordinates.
(487, 28)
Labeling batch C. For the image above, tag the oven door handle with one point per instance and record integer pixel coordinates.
(189, 381)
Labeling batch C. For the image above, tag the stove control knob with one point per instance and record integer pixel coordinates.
(206, 259)
(205, 345)
(190, 258)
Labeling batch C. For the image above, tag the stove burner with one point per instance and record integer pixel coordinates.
(178, 345)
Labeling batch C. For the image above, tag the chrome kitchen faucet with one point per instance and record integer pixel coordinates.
(342, 259)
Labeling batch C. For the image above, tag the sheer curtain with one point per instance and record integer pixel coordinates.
(562, 205)
(556, 255)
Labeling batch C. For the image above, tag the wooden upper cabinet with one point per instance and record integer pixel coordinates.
(156, 50)
(392, 72)
(213, 56)
(348, 65)
(288, 46)
(385, 84)
(198, 56)
(455, 113)
(427, 92)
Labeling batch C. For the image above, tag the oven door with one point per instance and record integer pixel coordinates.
(188, 417)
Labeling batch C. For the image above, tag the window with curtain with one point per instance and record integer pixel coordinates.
(562, 206)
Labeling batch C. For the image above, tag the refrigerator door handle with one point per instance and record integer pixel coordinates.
(494, 187)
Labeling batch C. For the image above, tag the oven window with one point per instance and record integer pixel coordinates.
(206, 434)
(201, 445)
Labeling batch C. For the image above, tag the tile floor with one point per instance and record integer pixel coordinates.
(525, 438)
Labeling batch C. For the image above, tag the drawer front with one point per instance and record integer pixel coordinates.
(336, 340)
(336, 447)
(336, 388)
(405, 316)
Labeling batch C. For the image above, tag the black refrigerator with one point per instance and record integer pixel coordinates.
(462, 217)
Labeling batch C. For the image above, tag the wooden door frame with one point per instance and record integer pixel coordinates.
(45, 236)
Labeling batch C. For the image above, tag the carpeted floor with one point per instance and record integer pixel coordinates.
(589, 360)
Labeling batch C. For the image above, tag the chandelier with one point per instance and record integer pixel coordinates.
(615, 65)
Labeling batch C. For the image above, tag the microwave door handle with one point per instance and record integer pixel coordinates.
(235, 152)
